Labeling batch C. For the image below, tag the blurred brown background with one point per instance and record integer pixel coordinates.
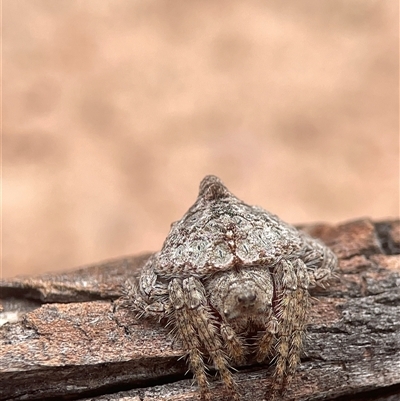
(114, 110)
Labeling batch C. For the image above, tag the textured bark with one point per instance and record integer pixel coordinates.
(62, 338)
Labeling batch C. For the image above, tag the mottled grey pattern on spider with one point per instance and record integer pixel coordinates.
(229, 272)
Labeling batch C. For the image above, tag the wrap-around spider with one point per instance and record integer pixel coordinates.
(230, 275)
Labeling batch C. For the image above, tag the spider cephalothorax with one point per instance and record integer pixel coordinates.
(227, 271)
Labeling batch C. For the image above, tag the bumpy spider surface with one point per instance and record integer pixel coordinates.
(229, 273)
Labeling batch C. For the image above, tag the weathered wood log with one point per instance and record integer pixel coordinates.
(62, 338)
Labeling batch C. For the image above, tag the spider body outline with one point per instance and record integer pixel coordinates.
(228, 269)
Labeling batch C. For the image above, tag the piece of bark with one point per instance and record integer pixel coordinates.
(64, 339)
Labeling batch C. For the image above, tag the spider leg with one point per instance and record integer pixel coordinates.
(292, 281)
(146, 299)
(187, 333)
(203, 320)
(300, 319)
(199, 317)
(268, 339)
(133, 299)
(321, 261)
(234, 344)
(217, 290)
(146, 295)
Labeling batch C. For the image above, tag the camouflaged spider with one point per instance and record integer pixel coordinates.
(228, 272)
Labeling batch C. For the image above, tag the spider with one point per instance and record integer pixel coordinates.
(229, 273)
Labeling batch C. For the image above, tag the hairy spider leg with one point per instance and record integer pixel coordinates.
(267, 341)
(204, 321)
(234, 344)
(188, 335)
(201, 319)
(320, 261)
(299, 320)
(292, 309)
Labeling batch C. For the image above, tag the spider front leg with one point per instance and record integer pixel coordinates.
(145, 296)
(195, 326)
(292, 282)
(320, 260)
(268, 339)
(234, 344)
(141, 305)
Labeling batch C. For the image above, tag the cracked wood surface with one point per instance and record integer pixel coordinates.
(62, 338)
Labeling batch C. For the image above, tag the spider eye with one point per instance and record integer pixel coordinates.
(247, 297)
